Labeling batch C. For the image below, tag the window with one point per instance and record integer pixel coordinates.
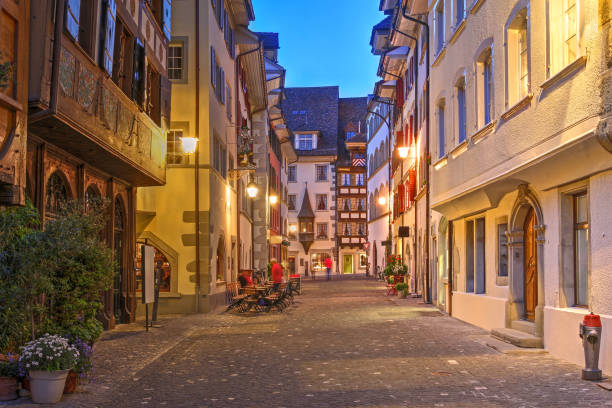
(518, 58)
(292, 232)
(360, 179)
(441, 133)
(321, 202)
(292, 175)
(581, 262)
(348, 229)
(318, 261)
(363, 260)
(439, 24)
(219, 157)
(346, 179)
(161, 265)
(228, 105)
(461, 111)
(176, 61)
(347, 204)
(361, 204)
(175, 154)
(349, 135)
(305, 142)
(321, 172)
(484, 85)
(80, 25)
(563, 26)
(361, 229)
(322, 230)
(475, 255)
(291, 202)
(217, 76)
(502, 250)
(459, 11)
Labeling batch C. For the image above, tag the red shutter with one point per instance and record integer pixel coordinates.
(399, 85)
(395, 206)
(399, 138)
(412, 181)
(402, 198)
(407, 194)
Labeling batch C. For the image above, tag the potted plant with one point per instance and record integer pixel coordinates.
(9, 371)
(82, 367)
(402, 290)
(47, 361)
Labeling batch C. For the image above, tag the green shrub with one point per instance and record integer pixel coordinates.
(401, 286)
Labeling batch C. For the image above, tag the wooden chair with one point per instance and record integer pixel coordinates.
(236, 299)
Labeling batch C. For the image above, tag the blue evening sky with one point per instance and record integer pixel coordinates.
(323, 42)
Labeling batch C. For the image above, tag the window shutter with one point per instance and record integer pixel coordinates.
(213, 68)
(412, 185)
(109, 36)
(166, 92)
(222, 86)
(138, 69)
(400, 92)
(233, 43)
(402, 197)
(73, 11)
(167, 17)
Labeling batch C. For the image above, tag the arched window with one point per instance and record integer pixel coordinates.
(57, 194)
(92, 196)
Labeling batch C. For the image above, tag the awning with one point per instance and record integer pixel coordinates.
(252, 59)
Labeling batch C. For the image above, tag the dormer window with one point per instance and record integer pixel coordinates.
(349, 135)
(307, 141)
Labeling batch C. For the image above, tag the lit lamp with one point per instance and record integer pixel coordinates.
(403, 151)
(382, 200)
(252, 190)
(189, 144)
(292, 228)
(273, 199)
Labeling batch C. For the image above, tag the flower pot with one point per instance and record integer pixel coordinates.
(401, 295)
(8, 388)
(72, 381)
(47, 387)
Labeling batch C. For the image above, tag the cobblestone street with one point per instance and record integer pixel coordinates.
(342, 344)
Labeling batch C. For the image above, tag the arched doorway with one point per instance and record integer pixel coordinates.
(525, 248)
(220, 260)
(119, 247)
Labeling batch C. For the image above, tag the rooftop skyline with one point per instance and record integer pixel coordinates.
(337, 51)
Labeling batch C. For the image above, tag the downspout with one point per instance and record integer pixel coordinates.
(239, 179)
(426, 296)
(449, 298)
(60, 12)
(197, 156)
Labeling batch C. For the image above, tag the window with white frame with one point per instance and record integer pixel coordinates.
(461, 111)
(175, 154)
(321, 172)
(307, 141)
(518, 58)
(439, 24)
(441, 133)
(563, 34)
(459, 11)
(484, 77)
(176, 61)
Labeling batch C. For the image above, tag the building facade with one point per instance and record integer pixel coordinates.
(99, 106)
(522, 165)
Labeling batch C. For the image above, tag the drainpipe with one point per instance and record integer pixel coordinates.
(197, 156)
(238, 129)
(426, 296)
(60, 12)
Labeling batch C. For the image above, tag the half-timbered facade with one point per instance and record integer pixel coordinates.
(98, 111)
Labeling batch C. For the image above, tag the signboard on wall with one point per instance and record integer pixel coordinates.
(148, 274)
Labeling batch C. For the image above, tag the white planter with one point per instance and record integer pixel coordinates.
(47, 387)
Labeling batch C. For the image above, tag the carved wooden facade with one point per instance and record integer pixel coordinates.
(98, 112)
(13, 99)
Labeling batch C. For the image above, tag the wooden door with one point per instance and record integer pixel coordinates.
(348, 264)
(531, 266)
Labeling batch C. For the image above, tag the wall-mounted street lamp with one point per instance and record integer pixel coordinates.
(189, 144)
(293, 228)
(273, 199)
(382, 200)
(252, 190)
(403, 151)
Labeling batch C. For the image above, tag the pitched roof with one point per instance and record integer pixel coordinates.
(270, 40)
(350, 110)
(306, 210)
(314, 109)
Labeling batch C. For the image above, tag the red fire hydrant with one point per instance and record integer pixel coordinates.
(590, 333)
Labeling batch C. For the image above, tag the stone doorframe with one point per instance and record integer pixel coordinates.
(515, 307)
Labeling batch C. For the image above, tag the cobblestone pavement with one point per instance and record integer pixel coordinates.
(342, 344)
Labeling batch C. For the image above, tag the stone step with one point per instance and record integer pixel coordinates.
(524, 325)
(518, 338)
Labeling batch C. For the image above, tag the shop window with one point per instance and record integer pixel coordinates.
(318, 261)
(161, 267)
